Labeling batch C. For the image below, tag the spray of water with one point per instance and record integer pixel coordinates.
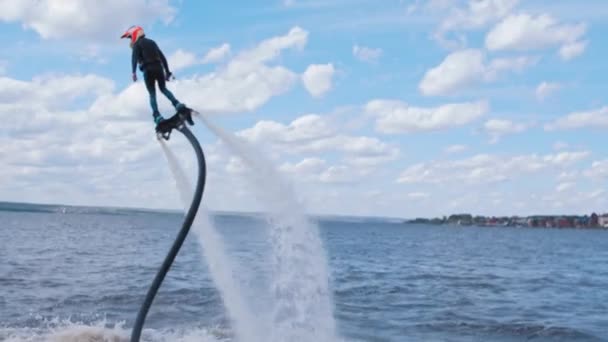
(220, 265)
(303, 308)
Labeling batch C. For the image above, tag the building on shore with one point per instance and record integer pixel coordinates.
(539, 221)
(602, 221)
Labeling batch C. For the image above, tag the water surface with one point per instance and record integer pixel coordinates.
(65, 274)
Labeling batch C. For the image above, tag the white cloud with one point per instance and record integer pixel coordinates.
(366, 54)
(89, 19)
(563, 187)
(485, 168)
(53, 91)
(522, 32)
(411, 9)
(455, 149)
(560, 145)
(60, 152)
(236, 166)
(418, 195)
(545, 89)
(597, 118)
(478, 14)
(573, 50)
(317, 170)
(223, 94)
(269, 49)
(365, 151)
(93, 52)
(306, 128)
(596, 194)
(181, 59)
(343, 174)
(568, 176)
(55, 154)
(438, 5)
(245, 83)
(598, 170)
(306, 167)
(313, 137)
(217, 54)
(337, 174)
(314, 134)
(457, 70)
(499, 65)
(398, 117)
(318, 79)
(566, 158)
(497, 128)
(464, 68)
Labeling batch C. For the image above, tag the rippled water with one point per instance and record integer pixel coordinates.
(81, 276)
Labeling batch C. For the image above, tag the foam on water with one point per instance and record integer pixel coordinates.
(302, 308)
(67, 331)
(220, 265)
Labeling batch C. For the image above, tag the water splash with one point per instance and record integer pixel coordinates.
(220, 265)
(303, 309)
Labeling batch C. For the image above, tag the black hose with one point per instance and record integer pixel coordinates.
(179, 240)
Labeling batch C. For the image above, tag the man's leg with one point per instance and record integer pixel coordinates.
(150, 86)
(163, 88)
(180, 107)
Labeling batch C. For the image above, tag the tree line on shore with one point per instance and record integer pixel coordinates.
(553, 221)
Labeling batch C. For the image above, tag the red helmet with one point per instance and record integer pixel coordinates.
(134, 32)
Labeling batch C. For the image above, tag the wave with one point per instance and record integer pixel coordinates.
(68, 331)
(523, 331)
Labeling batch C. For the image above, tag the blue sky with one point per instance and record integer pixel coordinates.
(398, 108)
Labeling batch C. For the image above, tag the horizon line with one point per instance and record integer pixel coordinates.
(246, 212)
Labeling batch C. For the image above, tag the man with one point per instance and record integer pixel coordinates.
(153, 64)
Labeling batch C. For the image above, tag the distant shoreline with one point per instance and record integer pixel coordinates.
(9, 206)
(534, 221)
(594, 221)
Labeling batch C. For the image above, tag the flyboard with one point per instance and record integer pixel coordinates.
(163, 130)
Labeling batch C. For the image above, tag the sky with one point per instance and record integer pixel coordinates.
(370, 108)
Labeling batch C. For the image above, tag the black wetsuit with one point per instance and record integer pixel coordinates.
(153, 64)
